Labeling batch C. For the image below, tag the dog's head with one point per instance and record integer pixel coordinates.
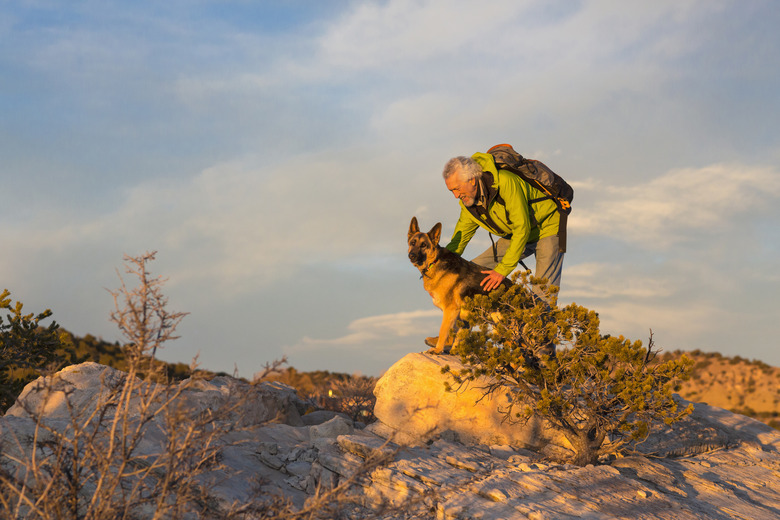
(423, 247)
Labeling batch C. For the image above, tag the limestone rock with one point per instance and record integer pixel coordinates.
(715, 464)
(331, 429)
(87, 382)
(321, 416)
(251, 404)
(82, 384)
(412, 401)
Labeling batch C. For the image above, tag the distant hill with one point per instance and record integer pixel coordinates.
(90, 348)
(740, 385)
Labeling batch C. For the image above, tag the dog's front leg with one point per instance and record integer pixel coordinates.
(445, 332)
(461, 322)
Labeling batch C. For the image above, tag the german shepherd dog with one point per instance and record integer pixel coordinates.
(447, 277)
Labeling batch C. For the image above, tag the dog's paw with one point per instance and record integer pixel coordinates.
(434, 350)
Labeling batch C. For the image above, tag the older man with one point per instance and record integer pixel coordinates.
(499, 201)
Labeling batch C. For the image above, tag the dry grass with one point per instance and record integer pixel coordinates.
(138, 450)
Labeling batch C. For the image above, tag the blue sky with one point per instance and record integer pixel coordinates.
(273, 153)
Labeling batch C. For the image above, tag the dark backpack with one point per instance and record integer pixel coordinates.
(535, 173)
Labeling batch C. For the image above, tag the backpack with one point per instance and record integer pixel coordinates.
(536, 174)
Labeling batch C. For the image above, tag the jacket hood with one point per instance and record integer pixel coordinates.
(485, 160)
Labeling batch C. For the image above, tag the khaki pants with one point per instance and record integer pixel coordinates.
(549, 258)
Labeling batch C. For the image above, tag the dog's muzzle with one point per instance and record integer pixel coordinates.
(416, 258)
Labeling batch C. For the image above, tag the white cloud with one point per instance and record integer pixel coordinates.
(240, 225)
(405, 32)
(378, 35)
(682, 327)
(384, 328)
(372, 344)
(667, 209)
(605, 281)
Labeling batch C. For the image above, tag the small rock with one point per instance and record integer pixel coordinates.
(320, 416)
(366, 446)
(642, 493)
(446, 511)
(270, 448)
(344, 464)
(496, 495)
(462, 464)
(323, 476)
(272, 461)
(295, 482)
(502, 451)
(309, 455)
(293, 454)
(309, 485)
(331, 429)
(517, 459)
(298, 468)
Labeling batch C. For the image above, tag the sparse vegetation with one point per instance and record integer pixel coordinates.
(115, 355)
(27, 348)
(355, 398)
(735, 383)
(141, 314)
(599, 391)
(352, 395)
(89, 465)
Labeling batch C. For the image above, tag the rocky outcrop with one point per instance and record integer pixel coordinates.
(85, 384)
(413, 406)
(715, 464)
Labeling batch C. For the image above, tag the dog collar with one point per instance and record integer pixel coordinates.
(424, 270)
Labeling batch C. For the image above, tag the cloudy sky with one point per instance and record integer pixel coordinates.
(274, 152)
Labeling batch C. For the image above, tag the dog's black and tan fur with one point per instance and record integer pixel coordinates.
(447, 277)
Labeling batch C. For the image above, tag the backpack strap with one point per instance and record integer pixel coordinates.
(495, 253)
(490, 196)
(539, 199)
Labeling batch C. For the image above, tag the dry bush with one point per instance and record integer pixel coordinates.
(354, 397)
(91, 465)
(138, 450)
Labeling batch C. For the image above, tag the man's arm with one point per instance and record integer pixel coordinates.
(464, 230)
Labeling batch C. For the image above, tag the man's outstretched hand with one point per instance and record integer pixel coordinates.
(492, 280)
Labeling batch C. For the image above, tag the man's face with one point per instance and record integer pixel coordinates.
(465, 190)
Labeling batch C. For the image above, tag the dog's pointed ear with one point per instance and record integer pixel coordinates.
(435, 233)
(413, 228)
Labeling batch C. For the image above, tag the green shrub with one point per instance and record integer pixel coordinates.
(599, 391)
(27, 348)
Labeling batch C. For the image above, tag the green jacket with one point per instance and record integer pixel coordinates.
(508, 209)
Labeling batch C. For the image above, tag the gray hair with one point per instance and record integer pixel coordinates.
(468, 168)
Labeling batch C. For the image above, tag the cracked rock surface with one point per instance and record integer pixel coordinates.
(714, 464)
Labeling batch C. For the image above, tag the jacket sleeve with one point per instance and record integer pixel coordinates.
(516, 203)
(464, 230)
